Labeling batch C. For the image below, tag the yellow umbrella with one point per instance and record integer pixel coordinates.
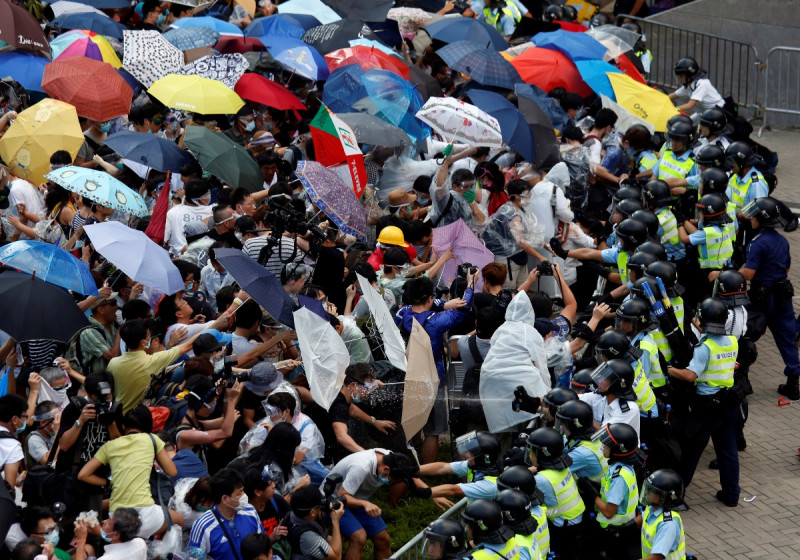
(196, 94)
(37, 133)
(421, 383)
(642, 101)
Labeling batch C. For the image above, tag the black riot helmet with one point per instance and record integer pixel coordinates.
(714, 119)
(713, 314)
(570, 13)
(599, 20)
(556, 397)
(582, 381)
(516, 508)
(615, 377)
(680, 117)
(655, 248)
(485, 521)
(484, 447)
(627, 207)
(635, 310)
(649, 219)
(766, 211)
(626, 193)
(522, 479)
(449, 536)
(547, 446)
(622, 441)
(667, 486)
(553, 12)
(714, 180)
(740, 153)
(632, 233)
(715, 209)
(639, 261)
(732, 288)
(686, 66)
(681, 131)
(668, 274)
(577, 417)
(611, 345)
(709, 155)
(657, 194)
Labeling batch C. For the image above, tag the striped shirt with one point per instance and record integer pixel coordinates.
(208, 535)
(282, 253)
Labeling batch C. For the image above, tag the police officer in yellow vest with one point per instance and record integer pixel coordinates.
(480, 450)
(445, 539)
(676, 166)
(618, 497)
(491, 538)
(662, 533)
(657, 197)
(575, 421)
(564, 505)
(503, 15)
(714, 409)
(516, 508)
(522, 479)
(713, 236)
(746, 183)
(667, 272)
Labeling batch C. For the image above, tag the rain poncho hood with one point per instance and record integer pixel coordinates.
(517, 357)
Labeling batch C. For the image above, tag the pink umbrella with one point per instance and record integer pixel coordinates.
(466, 247)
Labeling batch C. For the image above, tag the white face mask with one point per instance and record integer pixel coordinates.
(47, 393)
(242, 503)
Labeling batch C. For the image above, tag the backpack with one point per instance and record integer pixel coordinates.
(75, 354)
(168, 413)
(160, 386)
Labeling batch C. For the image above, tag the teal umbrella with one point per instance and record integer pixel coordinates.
(224, 158)
(100, 187)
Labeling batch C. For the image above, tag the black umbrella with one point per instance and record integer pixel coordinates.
(259, 283)
(424, 83)
(543, 133)
(337, 35)
(375, 10)
(32, 309)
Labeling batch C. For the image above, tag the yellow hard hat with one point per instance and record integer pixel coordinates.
(392, 235)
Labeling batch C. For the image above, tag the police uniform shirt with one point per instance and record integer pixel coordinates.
(605, 413)
(610, 255)
(675, 251)
(702, 91)
(736, 324)
(699, 363)
(584, 462)
(693, 177)
(668, 534)
(698, 239)
(481, 488)
(758, 188)
(507, 23)
(550, 501)
(646, 156)
(768, 255)
(618, 491)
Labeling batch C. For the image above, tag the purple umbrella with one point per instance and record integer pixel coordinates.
(330, 194)
(466, 247)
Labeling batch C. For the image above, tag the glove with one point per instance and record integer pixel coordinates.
(605, 298)
(514, 457)
(558, 250)
(587, 488)
(597, 268)
(678, 213)
(469, 196)
(523, 401)
(416, 492)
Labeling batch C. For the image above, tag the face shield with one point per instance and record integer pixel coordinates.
(433, 549)
(561, 424)
(650, 495)
(602, 376)
(751, 210)
(468, 445)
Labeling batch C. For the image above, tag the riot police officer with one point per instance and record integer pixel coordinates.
(444, 540)
(516, 508)
(555, 398)
(746, 183)
(713, 127)
(614, 401)
(662, 526)
(658, 199)
(492, 539)
(715, 239)
(575, 421)
(676, 166)
(522, 479)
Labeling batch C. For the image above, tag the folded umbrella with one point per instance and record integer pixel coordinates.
(577, 46)
(25, 67)
(225, 68)
(517, 134)
(103, 25)
(187, 38)
(297, 57)
(558, 117)
(483, 65)
(325, 356)
(196, 94)
(456, 121)
(331, 195)
(255, 87)
(393, 345)
(550, 69)
(335, 144)
(150, 150)
(132, 252)
(259, 283)
(643, 101)
(31, 309)
(89, 47)
(149, 57)
(51, 264)
(99, 187)
(224, 158)
(220, 26)
(315, 8)
(594, 73)
(20, 29)
(96, 90)
(421, 382)
(450, 30)
(367, 58)
(369, 129)
(336, 35)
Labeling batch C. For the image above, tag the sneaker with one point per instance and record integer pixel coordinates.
(721, 497)
(791, 392)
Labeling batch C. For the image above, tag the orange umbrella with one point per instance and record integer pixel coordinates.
(550, 69)
(367, 58)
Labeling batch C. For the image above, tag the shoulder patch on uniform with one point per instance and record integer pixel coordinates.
(667, 516)
(623, 405)
(615, 474)
(754, 175)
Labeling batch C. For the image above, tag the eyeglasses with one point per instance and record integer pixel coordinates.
(464, 185)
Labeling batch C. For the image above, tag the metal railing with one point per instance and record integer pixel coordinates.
(733, 67)
(782, 83)
(412, 550)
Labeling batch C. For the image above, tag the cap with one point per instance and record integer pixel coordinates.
(544, 326)
(195, 229)
(263, 138)
(264, 378)
(101, 301)
(399, 197)
(210, 341)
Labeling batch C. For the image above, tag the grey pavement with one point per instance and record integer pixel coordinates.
(767, 526)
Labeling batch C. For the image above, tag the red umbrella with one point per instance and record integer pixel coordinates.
(367, 58)
(96, 90)
(255, 87)
(20, 29)
(625, 64)
(158, 221)
(569, 26)
(230, 45)
(550, 69)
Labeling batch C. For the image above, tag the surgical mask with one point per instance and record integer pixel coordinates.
(356, 399)
(423, 201)
(202, 508)
(243, 503)
(52, 536)
(105, 127)
(385, 481)
(525, 201)
(104, 536)
(189, 286)
(218, 362)
(22, 429)
(161, 19)
(249, 126)
(239, 236)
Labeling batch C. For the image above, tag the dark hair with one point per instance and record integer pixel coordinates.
(197, 365)
(126, 523)
(461, 175)
(138, 418)
(254, 545)
(418, 290)
(572, 133)
(542, 305)
(571, 101)
(141, 113)
(253, 480)
(605, 117)
(458, 287)
(488, 320)
(557, 93)
(192, 170)
(224, 483)
(55, 195)
(238, 196)
(61, 157)
(31, 516)
(283, 400)
(92, 382)
(422, 184)
(199, 492)
(517, 187)
(417, 229)
(358, 372)
(278, 447)
(200, 389)
(196, 188)
(638, 137)
(267, 158)
(494, 273)
(10, 406)
(187, 268)
(26, 549)
(135, 309)
(305, 499)
(247, 314)
(395, 256)
(225, 296)
(365, 269)
(41, 409)
(134, 332)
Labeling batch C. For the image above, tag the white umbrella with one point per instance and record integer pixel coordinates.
(421, 383)
(456, 121)
(149, 57)
(136, 255)
(66, 7)
(324, 354)
(393, 345)
(625, 119)
(617, 40)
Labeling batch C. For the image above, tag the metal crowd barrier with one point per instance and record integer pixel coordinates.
(412, 550)
(733, 67)
(782, 83)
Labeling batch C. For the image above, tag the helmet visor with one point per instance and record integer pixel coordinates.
(468, 444)
(561, 424)
(602, 376)
(603, 435)
(751, 210)
(650, 495)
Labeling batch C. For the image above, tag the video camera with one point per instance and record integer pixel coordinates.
(107, 411)
(331, 500)
(285, 218)
(228, 374)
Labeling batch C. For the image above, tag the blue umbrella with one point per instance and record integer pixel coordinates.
(483, 65)
(593, 73)
(396, 100)
(387, 31)
(100, 24)
(577, 46)
(24, 67)
(550, 108)
(50, 263)
(220, 26)
(187, 38)
(149, 150)
(343, 88)
(297, 56)
(282, 25)
(450, 30)
(513, 126)
(136, 86)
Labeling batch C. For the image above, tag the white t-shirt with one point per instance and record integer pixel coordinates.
(23, 192)
(135, 549)
(402, 172)
(10, 450)
(704, 93)
(177, 218)
(193, 329)
(359, 472)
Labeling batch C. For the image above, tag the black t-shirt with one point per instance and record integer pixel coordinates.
(481, 300)
(92, 437)
(340, 410)
(250, 401)
(273, 513)
(229, 237)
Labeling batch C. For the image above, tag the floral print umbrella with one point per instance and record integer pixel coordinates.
(456, 121)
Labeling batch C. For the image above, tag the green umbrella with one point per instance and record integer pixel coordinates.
(224, 158)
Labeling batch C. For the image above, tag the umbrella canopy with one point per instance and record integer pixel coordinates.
(577, 46)
(625, 119)
(325, 357)
(255, 87)
(421, 382)
(376, 10)
(374, 44)
(466, 247)
(457, 121)
(20, 29)
(96, 90)
(335, 143)
(329, 193)
(37, 133)
(259, 283)
(149, 57)
(367, 58)
(516, 132)
(99, 187)
(220, 26)
(542, 128)
(393, 345)
(156, 229)
(107, 4)
(230, 45)
(643, 101)
(594, 73)
(627, 66)
(450, 30)
(616, 39)
(88, 47)
(550, 69)
(297, 57)
(196, 94)
(425, 84)
(25, 67)
(136, 255)
(60, 43)
(369, 129)
(284, 25)
(51, 264)
(225, 68)
(315, 8)
(483, 65)
(224, 158)
(50, 313)
(343, 87)
(396, 100)
(186, 38)
(101, 24)
(336, 35)
(150, 150)
(553, 110)
(66, 7)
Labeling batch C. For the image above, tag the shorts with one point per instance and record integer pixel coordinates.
(356, 519)
(437, 421)
(152, 518)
